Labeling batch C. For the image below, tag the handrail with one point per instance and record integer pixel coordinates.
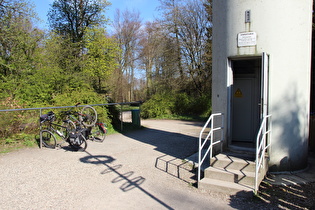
(62, 107)
(209, 135)
(262, 146)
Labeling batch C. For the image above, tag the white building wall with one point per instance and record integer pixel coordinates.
(283, 29)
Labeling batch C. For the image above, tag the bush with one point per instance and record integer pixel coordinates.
(182, 104)
(178, 104)
(85, 97)
(201, 106)
(158, 106)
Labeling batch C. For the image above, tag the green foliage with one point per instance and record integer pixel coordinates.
(100, 58)
(72, 18)
(176, 104)
(85, 97)
(192, 105)
(157, 106)
(69, 65)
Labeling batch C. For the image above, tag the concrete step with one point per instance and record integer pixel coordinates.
(231, 176)
(230, 162)
(225, 187)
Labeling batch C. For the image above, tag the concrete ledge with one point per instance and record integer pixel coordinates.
(225, 187)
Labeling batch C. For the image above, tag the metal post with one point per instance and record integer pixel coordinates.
(121, 118)
(40, 133)
(211, 137)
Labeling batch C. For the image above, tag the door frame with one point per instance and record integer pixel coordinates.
(264, 94)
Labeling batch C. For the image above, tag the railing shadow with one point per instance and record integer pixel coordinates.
(295, 190)
(181, 169)
(129, 182)
(176, 147)
(299, 196)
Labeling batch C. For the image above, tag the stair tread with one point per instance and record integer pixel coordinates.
(224, 165)
(232, 171)
(232, 158)
(223, 186)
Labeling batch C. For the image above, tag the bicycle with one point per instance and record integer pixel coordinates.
(86, 117)
(67, 132)
(97, 132)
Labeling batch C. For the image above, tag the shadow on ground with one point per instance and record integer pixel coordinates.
(128, 182)
(170, 143)
(295, 190)
(175, 147)
(127, 179)
(278, 197)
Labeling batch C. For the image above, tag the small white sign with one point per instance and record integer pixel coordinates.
(246, 39)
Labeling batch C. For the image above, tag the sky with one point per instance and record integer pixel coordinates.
(146, 8)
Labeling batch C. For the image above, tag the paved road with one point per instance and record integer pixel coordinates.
(139, 170)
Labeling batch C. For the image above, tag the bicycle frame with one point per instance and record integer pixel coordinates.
(70, 133)
(79, 121)
(62, 135)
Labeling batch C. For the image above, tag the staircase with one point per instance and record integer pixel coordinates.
(229, 173)
(233, 172)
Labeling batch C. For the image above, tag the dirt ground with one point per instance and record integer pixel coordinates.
(278, 197)
(138, 170)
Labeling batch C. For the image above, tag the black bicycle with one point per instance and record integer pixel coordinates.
(86, 120)
(68, 132)
(86, 117)
(97, 132)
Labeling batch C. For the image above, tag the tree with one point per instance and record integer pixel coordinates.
(71, 18)
(19, 46)
(207, 57)
(18, 37)
(158, 57)
(149, 47)
(187, 22)
(102, 52)
(127, 27)
(171, 10)
(193, 24)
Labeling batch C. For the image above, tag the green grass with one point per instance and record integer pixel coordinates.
(17, 141)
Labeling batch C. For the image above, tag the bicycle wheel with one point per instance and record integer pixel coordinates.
(48, 139)
(79, 144)
(66, 127)
(88, 116)
(98, 132)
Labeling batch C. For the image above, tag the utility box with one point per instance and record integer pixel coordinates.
(135, 116)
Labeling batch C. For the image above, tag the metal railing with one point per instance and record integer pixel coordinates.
(263, 143)
(63, 107)
(209, 137)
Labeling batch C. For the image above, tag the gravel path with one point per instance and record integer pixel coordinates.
(140, 170)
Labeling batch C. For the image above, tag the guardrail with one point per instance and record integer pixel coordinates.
(210, 136)
(263, 143)
(63, 107)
